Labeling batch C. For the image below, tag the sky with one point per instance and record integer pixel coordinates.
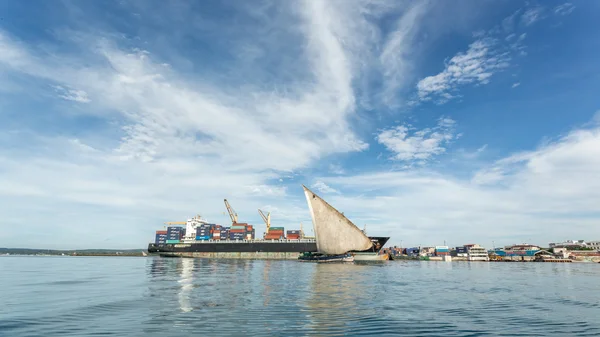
(430, 122)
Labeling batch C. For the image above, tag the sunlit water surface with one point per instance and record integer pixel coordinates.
(136, 296)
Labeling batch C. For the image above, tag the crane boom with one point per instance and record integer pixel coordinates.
(232, 214)
(176, 223)
(266, 218)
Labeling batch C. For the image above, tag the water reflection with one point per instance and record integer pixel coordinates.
(336, 289)
(186, 284)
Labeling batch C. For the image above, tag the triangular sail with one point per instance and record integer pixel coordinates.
(335, 234)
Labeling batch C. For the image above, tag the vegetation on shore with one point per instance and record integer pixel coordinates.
(73, 252)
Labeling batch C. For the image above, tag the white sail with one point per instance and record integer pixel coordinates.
(334, 233)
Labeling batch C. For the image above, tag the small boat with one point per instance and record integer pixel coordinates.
(335, 235)
(321, 258)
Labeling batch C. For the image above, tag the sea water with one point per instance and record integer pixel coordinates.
(153, 296)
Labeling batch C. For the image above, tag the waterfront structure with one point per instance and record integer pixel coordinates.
(477, 253)
(573, 244)
(594, 245)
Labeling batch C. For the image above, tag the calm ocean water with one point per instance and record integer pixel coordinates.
(122, 296)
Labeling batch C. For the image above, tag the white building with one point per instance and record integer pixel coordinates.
(594, 245)
(569, 243)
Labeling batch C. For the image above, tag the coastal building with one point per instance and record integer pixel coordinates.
(522, 247)
(414, 251)
(573, 244)
(427, 251)
(477, 253)
(594, 245)
(518, 252)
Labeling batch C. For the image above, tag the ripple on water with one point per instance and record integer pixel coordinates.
(173, 297)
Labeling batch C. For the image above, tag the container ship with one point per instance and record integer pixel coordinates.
(198, 238)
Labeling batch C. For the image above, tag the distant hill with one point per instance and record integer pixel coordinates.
(82, 252)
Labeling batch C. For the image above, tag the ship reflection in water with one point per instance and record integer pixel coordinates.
(186, 284)
(335, 289)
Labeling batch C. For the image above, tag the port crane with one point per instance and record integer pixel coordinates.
(232, 214)
(175, 223)
(266, 218)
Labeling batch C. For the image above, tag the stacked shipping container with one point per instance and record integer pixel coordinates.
(275, 233)
(174, 234)
(442, 250)
(293, 234)
(161, 237)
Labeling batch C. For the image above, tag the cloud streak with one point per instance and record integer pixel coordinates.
(475, 66)
(408, 144)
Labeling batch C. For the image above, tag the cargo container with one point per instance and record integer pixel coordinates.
(172, 241)
(202, 237)
(160, 238)
(277, 228)
(238, 227)
(161, 232)
(461, 250)
(293, 232)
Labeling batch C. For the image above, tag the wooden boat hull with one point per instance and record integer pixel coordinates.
(320, 258)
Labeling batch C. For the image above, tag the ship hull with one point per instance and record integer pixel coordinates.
(326, 258)
(255, 249)
(370, 257)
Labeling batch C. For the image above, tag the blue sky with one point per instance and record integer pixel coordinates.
(427, 121)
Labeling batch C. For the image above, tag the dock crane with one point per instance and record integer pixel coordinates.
(232, 214)
(266, 219)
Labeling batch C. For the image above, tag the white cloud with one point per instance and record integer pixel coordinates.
(508, 24)
(532, 15)
(396, 53)
(324, 188)
(475, 66)
(408, 144)
(516, 84)
(336, 169)
(564, 9)
(72, 94)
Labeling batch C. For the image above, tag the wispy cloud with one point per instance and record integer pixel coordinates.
(564, 9)
(475, 66)
(516, 84)
(336, 169)
(532, 15)
(408, 144)
(396, 53)
(72, 94)
(324, 188)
